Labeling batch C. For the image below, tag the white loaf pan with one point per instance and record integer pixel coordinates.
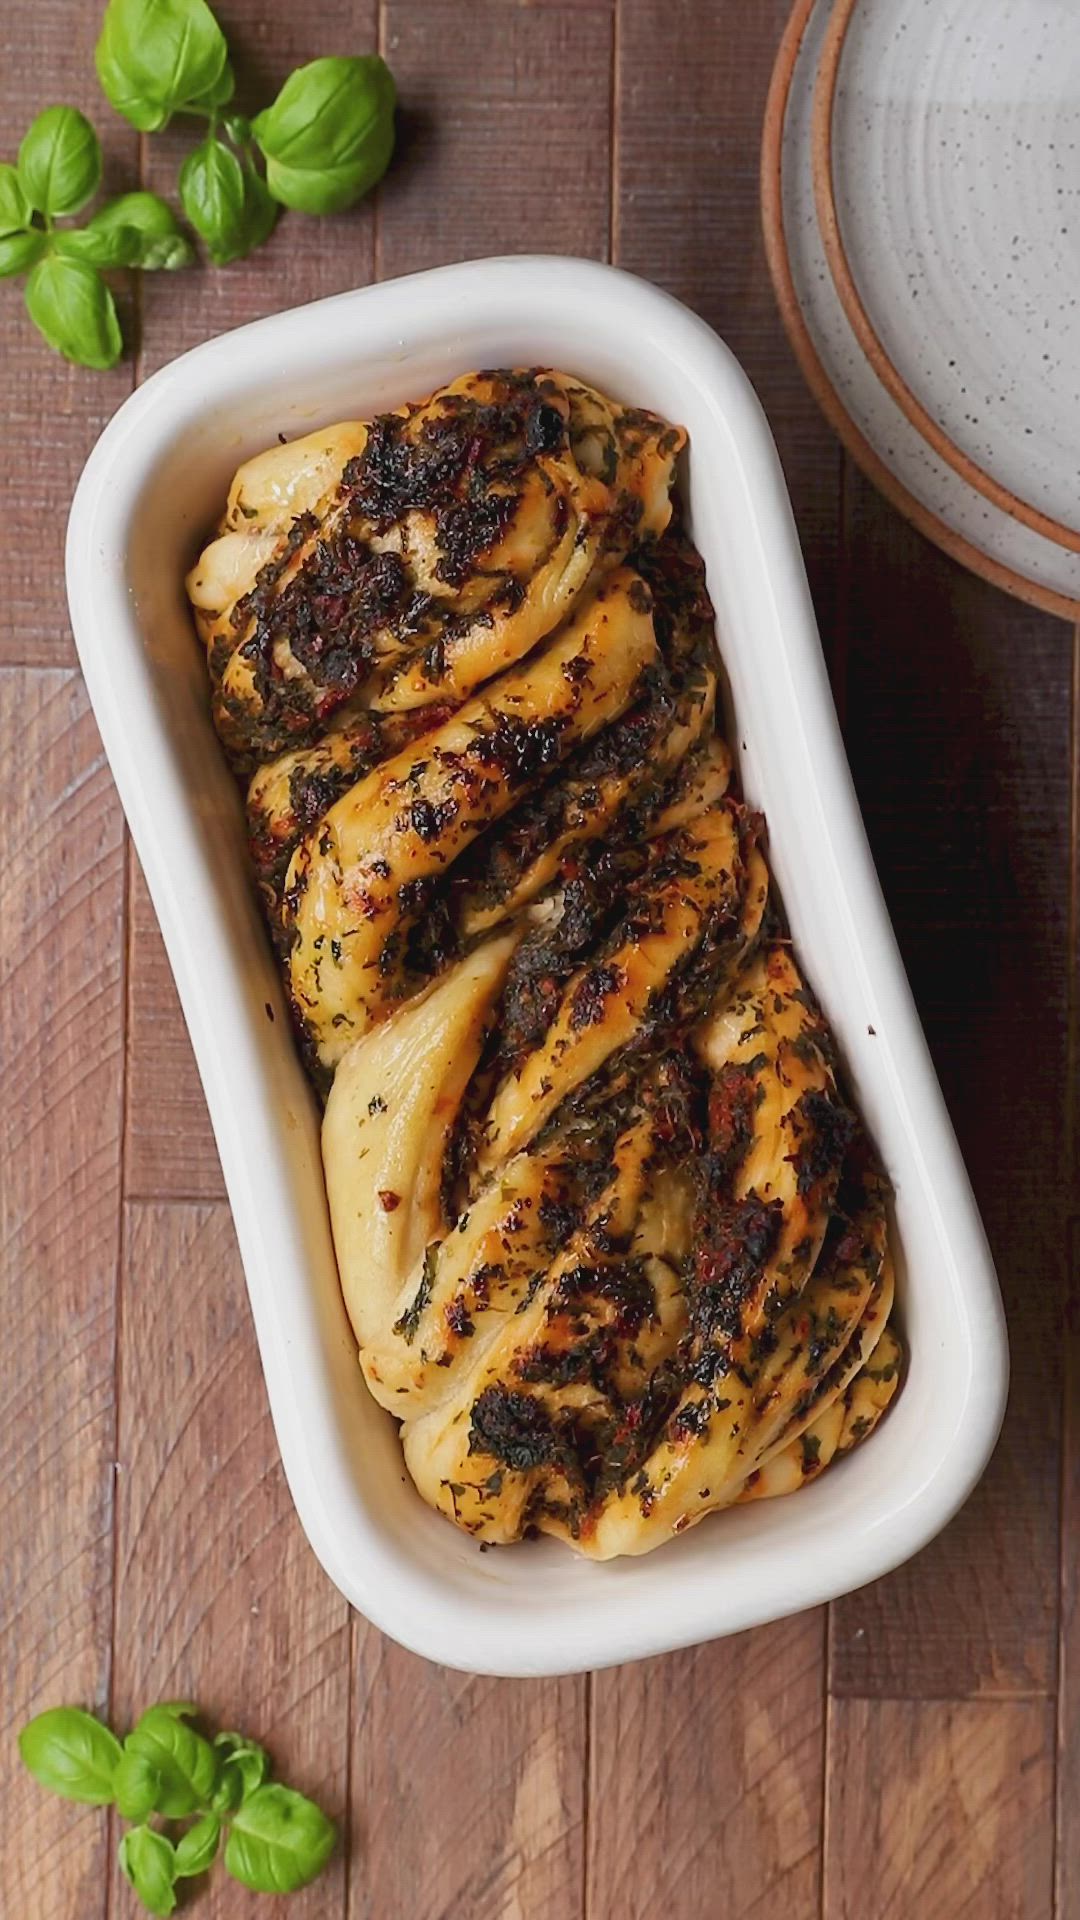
(151, 490)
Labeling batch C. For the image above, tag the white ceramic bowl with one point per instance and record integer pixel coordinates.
(151, 489)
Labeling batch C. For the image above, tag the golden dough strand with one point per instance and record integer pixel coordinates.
(346, 894)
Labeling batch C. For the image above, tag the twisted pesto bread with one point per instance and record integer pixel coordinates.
(612, 1242)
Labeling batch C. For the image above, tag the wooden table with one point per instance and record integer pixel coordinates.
(903, 1753)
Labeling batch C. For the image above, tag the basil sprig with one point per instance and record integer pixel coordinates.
(318, 148)
(203, 1790)
(58, 171)
(325, 140)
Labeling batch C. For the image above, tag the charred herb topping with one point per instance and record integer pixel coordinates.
(459, 1320)
(588, 1002)
(823, 1128)
(742, 1235)
(409, 1324)
(513, 1428)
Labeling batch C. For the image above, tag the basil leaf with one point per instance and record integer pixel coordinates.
(216, 96)
(154, 56)
(157, 242)
(148, 1860)
(59, 161)
(329, 135)
(212, 196)
(329, 191)
(229, 1791)
(260, 207)
(71, 1753)
(124, 93)
(186, 1762)
(18, 251)
(238, 129)
(228, 204)
(139, 1785)
(116, 247)
(278, 1841)
(195, 1849)
(244, 1759)
(15, 209)
(72, 307)
(230, 1743)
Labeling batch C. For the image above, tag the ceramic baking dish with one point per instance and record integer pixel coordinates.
(150, 490)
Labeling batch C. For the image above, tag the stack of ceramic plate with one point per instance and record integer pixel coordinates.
(921, 198)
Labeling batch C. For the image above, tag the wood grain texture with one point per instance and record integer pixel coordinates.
(1072, 1127)
(505, 132)
(958, 733)
(706, 1781)
(219, 1597)
(61, 1041)
(52, 412)
(1067, 1863)
(468, 1793)
(691, 80)
(170, 1151)
(940, 1809)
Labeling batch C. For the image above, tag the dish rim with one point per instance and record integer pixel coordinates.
(391, 1591)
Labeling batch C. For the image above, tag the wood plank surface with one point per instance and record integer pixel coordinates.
(170, 1151)
(506, 115)
(468, 1793)
(706, 1781)
(958, 732)
(219, 1597)
(940, 1810)
(61, 1042)
(1067, 1852)
(930, 1765)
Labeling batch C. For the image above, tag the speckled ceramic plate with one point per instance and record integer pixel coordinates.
(932, 286)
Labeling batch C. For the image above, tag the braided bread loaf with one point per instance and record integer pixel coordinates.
(613, 1244)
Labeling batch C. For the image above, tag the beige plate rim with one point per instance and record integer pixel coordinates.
(776, 250)
(822, 168)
